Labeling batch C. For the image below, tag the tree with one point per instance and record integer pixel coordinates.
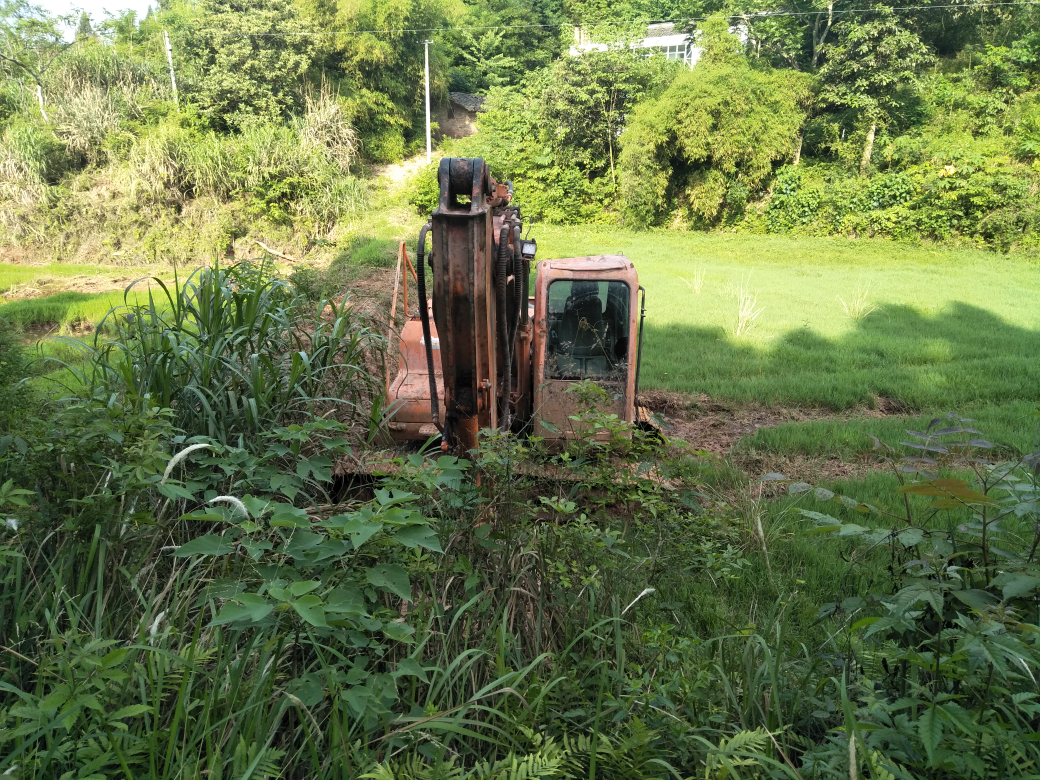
(377, 65)
(31, 42)
(711, 139)
(498, 42)
(250, 57)
(83, 29)
(865, 68)
(585, 102)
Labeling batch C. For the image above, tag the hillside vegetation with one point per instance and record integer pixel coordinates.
(198, 578)
(913, 124)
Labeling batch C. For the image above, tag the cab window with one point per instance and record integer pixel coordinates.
(588, 330)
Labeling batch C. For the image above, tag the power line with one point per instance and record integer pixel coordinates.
(623, 22)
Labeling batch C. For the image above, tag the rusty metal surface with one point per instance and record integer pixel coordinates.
(462, 239)
(475, 233)
(409, 392)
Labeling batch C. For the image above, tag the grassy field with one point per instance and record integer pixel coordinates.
(840, 323)
(939, 330)
(11, 275)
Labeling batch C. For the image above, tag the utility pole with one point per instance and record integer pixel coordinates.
(428, 145)
(169, 59)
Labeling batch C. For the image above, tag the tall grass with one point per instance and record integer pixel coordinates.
(301, 168)
(583, 624)
(237, 353)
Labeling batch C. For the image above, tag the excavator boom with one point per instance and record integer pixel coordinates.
(470, 358)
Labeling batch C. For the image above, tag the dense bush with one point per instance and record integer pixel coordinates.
(953, 199)
(708, 145)
(556, 136)
(285, 172)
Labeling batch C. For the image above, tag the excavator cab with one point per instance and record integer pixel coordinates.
(481, 352)
(586, 328)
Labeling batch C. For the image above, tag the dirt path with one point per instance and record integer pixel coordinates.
(712, 427)
(397, 174)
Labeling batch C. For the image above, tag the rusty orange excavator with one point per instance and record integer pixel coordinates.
(494, 356)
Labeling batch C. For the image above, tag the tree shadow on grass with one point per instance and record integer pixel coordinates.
(960, 355)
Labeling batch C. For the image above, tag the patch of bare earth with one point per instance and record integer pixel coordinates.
(713, 427)
(377, 286)
(397, 174)
(45, 286)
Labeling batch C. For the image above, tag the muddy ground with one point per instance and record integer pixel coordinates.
(46, 285)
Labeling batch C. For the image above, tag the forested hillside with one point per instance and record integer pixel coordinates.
(847, 118)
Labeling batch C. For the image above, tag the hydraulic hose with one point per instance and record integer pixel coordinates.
(502, 318)
(424, 317)
(518, 268)
(525, 295)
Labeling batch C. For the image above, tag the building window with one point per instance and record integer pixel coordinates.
(675, 52)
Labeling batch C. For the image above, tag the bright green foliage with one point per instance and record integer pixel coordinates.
(871, 59)
(483, 57)
(709, 143)
(556, 138)
(31, 43)
(250, 58)
(292, 172)
(868, 63)
(949, 188)
(586, 102)
(379, 69)
(236, 353)
(1027, 132)
(959, 621)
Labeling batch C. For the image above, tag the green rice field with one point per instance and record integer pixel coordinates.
(931, 330)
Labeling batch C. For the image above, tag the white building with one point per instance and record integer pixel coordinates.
(662, 37)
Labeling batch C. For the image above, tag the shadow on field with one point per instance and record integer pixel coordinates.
(963, 354)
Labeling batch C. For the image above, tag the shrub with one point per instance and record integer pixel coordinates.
(85, 120)
(286, 171)
(1027, 131)
(30, 159)
(250, 64)
(14, 366)
(718, 125)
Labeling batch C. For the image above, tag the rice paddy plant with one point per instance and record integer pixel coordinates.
(235, 353)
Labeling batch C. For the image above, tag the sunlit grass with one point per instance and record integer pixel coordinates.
(952, 328)
(66, 310)
(11, 275)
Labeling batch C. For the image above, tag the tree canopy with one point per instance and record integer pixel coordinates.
(711, 138)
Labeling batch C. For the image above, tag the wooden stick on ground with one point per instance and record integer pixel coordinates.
(270, 251)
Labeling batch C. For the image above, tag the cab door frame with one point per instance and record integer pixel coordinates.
(551, 402)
